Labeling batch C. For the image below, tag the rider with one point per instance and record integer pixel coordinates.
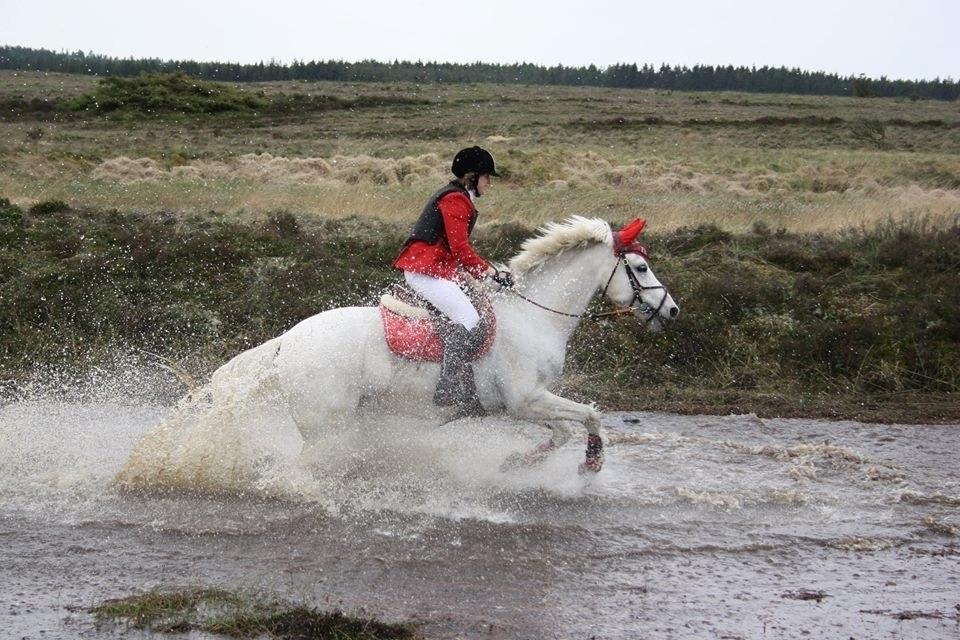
(434, 260)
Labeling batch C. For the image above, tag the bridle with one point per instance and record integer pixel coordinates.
(635, 285)
(638, 288)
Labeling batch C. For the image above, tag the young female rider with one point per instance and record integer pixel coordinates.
(434, 260)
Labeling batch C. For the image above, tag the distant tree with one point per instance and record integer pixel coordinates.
(863, 87)
(698, 78)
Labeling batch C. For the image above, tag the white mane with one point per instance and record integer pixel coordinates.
(557, 237)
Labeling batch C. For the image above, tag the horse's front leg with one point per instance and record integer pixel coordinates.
(546, 406)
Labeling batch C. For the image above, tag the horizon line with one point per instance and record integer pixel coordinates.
(600, 67)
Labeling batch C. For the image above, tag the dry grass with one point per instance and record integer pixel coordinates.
(393, 190)
(797, 162)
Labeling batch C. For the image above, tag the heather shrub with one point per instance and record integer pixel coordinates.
(862, 313)
(47, 207)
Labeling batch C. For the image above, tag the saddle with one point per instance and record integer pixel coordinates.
(411, 325)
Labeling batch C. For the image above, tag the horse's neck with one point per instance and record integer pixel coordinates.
(565, 283)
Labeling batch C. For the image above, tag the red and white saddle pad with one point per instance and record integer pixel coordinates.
(410, 330)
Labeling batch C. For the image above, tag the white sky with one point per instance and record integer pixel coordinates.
(897, 38)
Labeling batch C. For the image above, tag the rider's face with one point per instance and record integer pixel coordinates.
(483, 183)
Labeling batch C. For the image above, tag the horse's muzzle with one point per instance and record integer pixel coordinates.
(655, 321)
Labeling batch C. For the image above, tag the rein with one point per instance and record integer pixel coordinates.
(589, 316)
(638, 290)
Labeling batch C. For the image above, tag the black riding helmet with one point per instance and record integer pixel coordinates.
(473, 159)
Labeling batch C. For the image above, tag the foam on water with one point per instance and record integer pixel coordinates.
(48, 443)
(223, 442)
(373, 464)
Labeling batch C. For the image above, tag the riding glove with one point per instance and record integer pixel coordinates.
(503, 278)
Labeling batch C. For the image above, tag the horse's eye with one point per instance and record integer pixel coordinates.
(642, 268)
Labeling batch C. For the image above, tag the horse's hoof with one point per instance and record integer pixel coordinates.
(590, 466)
(513, 461)
(594, 460)
(533, 457)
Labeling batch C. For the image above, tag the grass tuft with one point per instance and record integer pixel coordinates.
(238, 616)
(686, 240)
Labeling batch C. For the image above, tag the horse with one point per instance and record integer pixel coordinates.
(329, 367)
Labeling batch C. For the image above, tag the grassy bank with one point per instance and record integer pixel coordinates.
(864, 323)
(234, 615)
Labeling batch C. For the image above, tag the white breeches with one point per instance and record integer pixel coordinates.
(445, 296)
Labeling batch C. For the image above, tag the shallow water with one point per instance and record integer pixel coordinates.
(698, 527)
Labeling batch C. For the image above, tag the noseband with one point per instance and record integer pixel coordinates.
(638, 289)
(635, 285)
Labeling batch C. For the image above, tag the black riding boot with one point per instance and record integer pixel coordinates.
(456, 386)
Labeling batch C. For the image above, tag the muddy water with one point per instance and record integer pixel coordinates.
(698, 527)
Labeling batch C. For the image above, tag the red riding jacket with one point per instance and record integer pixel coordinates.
(452, 251)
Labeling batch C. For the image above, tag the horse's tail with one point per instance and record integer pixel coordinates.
(248, 373)
(181, 374)
(205, 444)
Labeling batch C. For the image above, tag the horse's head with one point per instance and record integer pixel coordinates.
(631, 282)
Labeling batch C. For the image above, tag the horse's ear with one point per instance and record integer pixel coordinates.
(629, 233)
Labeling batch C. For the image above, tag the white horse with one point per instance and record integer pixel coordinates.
(335, 364)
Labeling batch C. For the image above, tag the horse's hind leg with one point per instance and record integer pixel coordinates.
(322, 430)
(322, 405)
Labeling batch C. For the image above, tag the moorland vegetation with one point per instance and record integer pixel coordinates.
(811, 242)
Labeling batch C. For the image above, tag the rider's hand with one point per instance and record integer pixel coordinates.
(503, 278)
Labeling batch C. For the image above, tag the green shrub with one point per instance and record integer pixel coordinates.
(282, 224)
(11, 222)
(48, 206)
(789, 255)
(688, 239)
(164, 93)
(870, 312)
(238, 615)
(10, 214)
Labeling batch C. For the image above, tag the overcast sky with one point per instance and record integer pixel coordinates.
(899, 39)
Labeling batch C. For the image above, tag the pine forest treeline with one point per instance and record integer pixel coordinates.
(697, 78)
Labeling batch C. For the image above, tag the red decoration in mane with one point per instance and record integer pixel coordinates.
(624, 240)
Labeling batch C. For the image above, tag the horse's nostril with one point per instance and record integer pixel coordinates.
(674, 311)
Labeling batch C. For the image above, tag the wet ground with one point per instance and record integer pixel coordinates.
(698, 527)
